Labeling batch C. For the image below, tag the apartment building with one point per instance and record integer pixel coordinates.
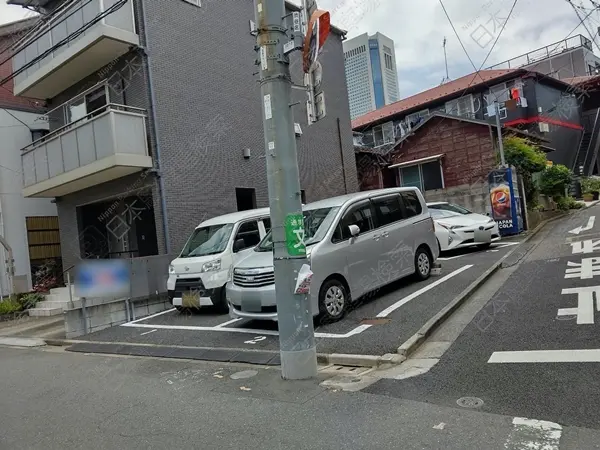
(155, 121)
(29, 226)
(371, 73)
(569, 58)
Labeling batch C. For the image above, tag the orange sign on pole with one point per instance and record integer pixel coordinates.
(319, 26)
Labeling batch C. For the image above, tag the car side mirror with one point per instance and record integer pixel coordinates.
(238, 245)
(354, 230)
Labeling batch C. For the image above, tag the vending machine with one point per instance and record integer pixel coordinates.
(506, 200)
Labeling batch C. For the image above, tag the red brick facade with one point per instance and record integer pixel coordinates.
(467, 147)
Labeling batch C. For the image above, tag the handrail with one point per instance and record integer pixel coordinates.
(59, 13)
(104, 109)
(595, 134)
(78, 96)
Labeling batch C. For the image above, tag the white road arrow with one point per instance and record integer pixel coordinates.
(589, 226)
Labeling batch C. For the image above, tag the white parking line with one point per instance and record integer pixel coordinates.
(153, 315)
(494, 248)
(357, 330)
(546, 356)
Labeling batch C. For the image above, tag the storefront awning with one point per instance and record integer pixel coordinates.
(414, 162)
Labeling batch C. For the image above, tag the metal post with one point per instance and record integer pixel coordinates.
(500, 143)
(70, 290)
(84, 314)
(295, 321)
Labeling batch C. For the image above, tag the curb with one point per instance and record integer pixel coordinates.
(322, 358)
(413, 342)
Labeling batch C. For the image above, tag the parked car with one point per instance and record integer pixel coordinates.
(197, 277)
(457, 227)
(355, 243)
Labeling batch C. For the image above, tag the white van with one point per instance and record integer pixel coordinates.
(199, 275)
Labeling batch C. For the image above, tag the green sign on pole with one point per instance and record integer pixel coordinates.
(294, 234)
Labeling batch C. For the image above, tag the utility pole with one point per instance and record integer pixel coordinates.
(295, 320)
(499, 126)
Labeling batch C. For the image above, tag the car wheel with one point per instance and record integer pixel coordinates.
(182, 310)
(219, 299)
(333, 300)
(484, 246)
(422, 264)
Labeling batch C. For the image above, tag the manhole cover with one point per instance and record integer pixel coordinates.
(469, 402)
(244, 374)
(375, 321)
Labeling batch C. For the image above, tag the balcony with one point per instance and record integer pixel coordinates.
(93, 33)
(106, 144)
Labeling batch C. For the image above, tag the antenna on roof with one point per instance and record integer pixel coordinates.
(447, 77)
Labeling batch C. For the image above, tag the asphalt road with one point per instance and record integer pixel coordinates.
(400, 309)
(527, 315)
(55, 400)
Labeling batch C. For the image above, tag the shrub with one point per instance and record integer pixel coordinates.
(589, 185)
(9, 306)
(566, 203)
(528, 159)
(555, 180)
(30, 299)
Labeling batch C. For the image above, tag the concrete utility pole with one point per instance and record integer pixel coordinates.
(296, 330)
(499, 126)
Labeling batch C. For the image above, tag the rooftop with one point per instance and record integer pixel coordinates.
(461, 84)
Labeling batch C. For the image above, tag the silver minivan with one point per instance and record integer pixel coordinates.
(355, 243)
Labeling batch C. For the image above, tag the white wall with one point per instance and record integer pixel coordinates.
(14, 135)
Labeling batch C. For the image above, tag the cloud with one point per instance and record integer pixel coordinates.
(419, 27)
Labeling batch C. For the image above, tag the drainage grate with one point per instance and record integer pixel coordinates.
(375, 321)
(470, 402)
(346, 370)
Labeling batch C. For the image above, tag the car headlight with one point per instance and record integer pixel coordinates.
(211, 266)
(171, 268)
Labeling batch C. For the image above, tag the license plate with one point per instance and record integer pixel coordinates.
(190, 300)
(483, 236)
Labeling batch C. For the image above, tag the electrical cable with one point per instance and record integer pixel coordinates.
(64, 41)
(583, 22)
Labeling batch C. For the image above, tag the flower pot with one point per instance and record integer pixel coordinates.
(588, 197)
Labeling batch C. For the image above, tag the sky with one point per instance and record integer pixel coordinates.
(418, 28)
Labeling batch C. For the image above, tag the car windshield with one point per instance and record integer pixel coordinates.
(442, 213)
(209, 240)
(448, 207)
(316, 224)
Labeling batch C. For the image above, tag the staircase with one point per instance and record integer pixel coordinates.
(588, 148)
(582, 152)
(55, 302)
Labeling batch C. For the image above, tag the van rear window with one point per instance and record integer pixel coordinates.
(412, 204)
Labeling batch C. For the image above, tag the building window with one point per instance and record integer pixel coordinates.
(194, 2)
(425, 177)
(383, 134)
(462, 106)
(79, 107)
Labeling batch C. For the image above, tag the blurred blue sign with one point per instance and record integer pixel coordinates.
(102, 278)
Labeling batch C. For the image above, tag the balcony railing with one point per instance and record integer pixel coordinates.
(106, 144)
(83, 37)
(546, 52)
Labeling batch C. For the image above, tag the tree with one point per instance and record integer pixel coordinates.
(555, 180)
(528, 159)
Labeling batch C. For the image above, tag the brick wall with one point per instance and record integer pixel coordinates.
(468, 149)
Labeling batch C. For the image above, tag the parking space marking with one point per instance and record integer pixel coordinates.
(229, 322)
(357, 330)
(153, 315)
(546, 356)
(494, 248)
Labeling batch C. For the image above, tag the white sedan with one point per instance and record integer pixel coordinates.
(457, 227)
